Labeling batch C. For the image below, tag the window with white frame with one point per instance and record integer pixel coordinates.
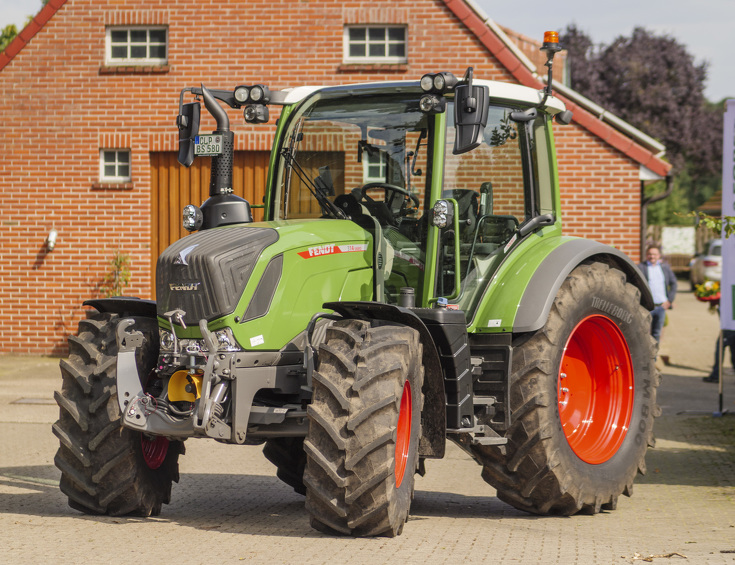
(137, 45)
(375, 44)
(115, 165)
(374, 165)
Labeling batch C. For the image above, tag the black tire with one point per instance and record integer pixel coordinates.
(103, 466)
(540, 470)
(362, 453)
(287, 454)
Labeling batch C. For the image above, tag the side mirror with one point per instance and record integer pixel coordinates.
(470, 116)
(188, 123)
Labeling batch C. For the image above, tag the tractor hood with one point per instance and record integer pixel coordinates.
(265, 278)
(205, 273)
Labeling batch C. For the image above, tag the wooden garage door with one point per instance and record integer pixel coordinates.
(174, 186)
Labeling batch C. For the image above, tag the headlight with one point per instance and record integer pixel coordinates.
(226, 341)
(256, 93)
(438, 82)
(166, 339)
(192, 218)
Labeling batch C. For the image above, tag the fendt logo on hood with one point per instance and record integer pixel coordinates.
(183, 254)
(186, 287)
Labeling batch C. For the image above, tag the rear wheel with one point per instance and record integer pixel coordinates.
(583, 398)
(364, 425)
(105, 468)
(287, 454)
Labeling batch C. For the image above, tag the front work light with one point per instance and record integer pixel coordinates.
(256, 114)
(432, 104)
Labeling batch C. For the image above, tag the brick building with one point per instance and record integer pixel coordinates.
(88, 99)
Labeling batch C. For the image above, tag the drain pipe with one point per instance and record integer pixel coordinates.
(645, 201)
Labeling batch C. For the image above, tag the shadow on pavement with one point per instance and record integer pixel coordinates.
(262, 505)
(692, 450)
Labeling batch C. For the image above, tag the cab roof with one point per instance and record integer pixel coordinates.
(499, 91)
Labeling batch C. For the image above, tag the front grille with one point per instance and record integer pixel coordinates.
(205, 274)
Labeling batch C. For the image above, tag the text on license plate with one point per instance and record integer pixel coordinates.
(208, 145)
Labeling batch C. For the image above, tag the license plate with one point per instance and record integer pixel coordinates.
(207, 145)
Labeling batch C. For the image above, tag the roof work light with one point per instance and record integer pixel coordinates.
(257, 94)
(438, 82)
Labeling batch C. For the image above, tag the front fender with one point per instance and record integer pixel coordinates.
(125, 306)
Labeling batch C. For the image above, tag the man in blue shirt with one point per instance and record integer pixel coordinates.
(662, 281)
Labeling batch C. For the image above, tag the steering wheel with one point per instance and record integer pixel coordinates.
(390, 191)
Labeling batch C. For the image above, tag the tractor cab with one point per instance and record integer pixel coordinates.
(444, 192)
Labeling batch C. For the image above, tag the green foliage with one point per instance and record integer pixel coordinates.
(118, 276)
(7, 35)
(714, 223)
(688, 194)
(9, 32)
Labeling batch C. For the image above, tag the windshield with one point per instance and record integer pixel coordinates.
(364, 159)
(336, 145)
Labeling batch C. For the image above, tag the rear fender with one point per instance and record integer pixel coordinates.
(542, 288)
(433, 415)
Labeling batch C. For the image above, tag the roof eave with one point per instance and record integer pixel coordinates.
(632, 142)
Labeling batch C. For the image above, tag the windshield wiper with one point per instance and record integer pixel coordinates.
(325, 204)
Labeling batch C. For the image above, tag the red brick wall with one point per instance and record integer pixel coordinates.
(59, 106)
(600, 194)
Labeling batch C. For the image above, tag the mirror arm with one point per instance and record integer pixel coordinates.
(536, 222)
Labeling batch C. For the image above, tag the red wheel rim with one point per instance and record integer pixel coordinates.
(154, 450)
(596, 389)
(403, 434)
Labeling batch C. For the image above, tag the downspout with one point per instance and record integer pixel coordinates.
(644, 209)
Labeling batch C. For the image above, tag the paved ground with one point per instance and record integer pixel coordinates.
(229, 507)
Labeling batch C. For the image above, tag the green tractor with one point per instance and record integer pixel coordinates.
(410, 284)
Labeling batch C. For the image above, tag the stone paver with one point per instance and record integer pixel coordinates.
(229, 507)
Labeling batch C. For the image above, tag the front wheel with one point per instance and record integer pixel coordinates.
(364, 427)
(106, 468)
(582, 400)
